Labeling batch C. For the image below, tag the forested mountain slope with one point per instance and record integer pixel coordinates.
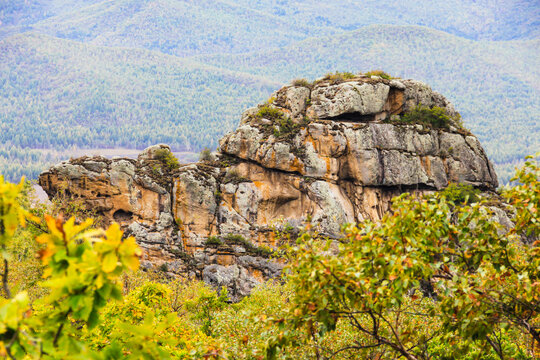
(476, 19)
(180, 28)
(18, 16)
(56, 94)
(105, 89)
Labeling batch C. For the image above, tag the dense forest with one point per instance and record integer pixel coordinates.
(103, 74)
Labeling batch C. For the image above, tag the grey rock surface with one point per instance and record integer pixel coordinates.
(338, 154)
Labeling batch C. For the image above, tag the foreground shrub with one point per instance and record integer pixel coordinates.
(432, 272)
(457, 286)
(301, 82)
(205, 155)
(81, 268)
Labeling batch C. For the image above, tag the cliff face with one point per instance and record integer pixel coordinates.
(335, 152)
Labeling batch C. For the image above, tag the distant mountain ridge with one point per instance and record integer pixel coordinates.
(133, 21)
(91, 73)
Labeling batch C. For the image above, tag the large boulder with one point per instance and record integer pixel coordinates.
(334, 152)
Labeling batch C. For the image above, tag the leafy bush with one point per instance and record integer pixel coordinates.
(283, 127)
(81, 268)
(236, 239)
(205, 307)
(270, 113)
(301, 82)
(431, 272)
(435, 117)
(338, 77)
(167, 158)
(379, 73)
(286, 128)
(213, 241)
(205, 155)
(461, 194)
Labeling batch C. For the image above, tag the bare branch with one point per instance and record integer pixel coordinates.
(5, 284)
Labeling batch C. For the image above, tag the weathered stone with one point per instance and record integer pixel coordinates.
(419, 93)
(236, 279)
(95, 166)
(348, 98)
(293, 100)
(248, 115)
(343, 165)
(195, 205)
(150, 152)
(335, 208)
(114, 193)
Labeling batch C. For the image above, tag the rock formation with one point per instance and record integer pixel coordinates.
(332, 152)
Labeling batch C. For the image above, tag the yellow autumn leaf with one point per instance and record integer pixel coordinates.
(114, 234)
(109, 262)
(51, 224)
(132, 263)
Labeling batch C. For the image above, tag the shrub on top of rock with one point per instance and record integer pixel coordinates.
(283, 126)
(205, 155)
(338, 77)
(435, 117)
(301, 82)
(380, 74)
(167, 158)
(270, 113)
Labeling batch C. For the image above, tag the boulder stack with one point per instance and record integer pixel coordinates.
(332, 152)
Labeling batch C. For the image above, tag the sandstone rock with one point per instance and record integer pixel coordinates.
(335, 208)
(247, 115)
(150, 152)
(195, 205)
(294, 100)
(372, 154)
(417, 92)
(349, 97)
(344, 164)
(236, 279)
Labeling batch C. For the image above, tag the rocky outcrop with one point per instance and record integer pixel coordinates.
(328, 153)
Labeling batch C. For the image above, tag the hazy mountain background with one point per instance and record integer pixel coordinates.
(88, 74)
